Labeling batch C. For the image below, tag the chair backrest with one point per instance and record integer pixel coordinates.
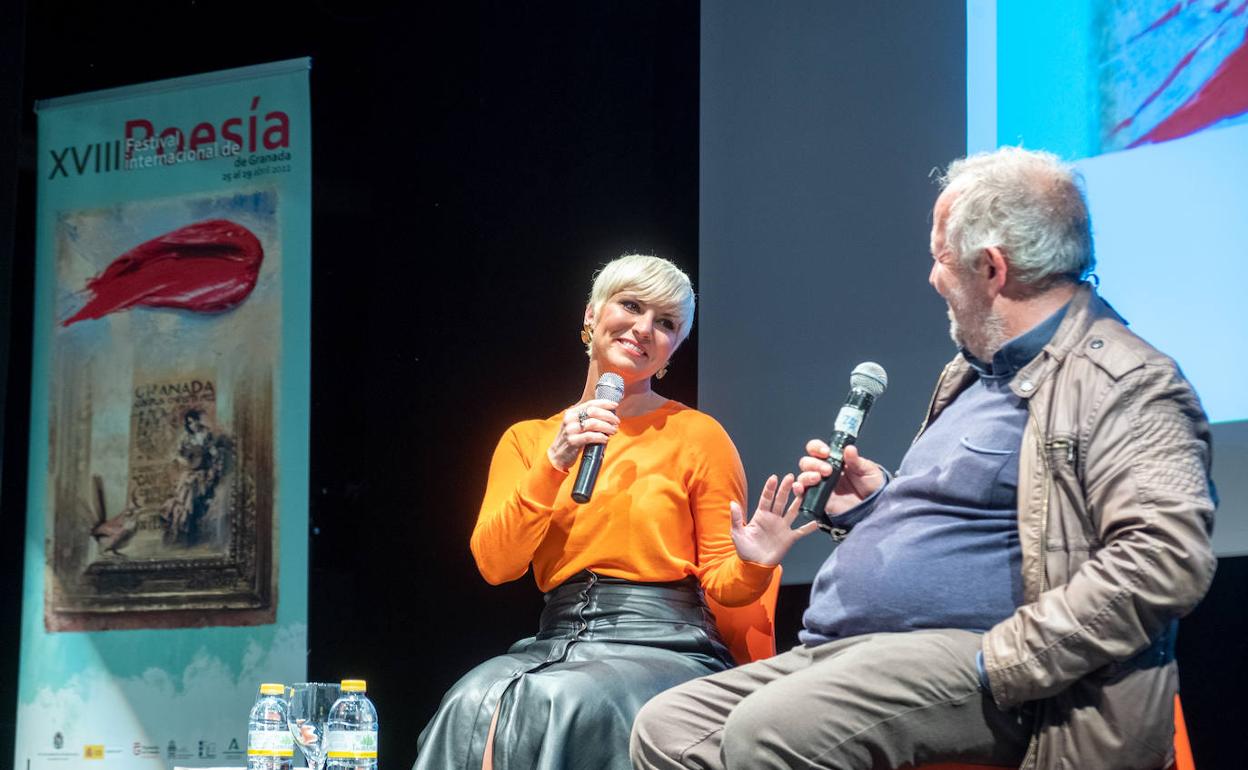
(749, 631)
(1183, 759)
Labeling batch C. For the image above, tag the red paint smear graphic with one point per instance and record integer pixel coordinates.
(1224, 95)
(207, 267)
(1170, 14)
(1198, 112)
(1174, 73)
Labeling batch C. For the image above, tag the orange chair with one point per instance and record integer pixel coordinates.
(1183, 759)
(749, 631)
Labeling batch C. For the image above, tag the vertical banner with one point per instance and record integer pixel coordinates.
(166, 549)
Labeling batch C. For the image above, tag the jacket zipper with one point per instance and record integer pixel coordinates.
(1069, 446)
(1044, 509)
(1033, 745)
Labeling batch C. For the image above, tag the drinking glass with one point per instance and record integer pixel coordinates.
(309, 711)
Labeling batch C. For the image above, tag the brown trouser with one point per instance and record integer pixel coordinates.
(873, 701)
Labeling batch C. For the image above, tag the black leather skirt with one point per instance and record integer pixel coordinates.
(566, 698)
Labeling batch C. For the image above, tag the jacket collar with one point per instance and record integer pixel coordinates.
(1085, 308)
(1019, 351)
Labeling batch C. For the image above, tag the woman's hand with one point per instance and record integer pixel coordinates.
(770, 534)
(592, 422)
(860, 477)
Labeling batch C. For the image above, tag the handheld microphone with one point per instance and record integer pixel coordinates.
(610, 387)
(866, 383)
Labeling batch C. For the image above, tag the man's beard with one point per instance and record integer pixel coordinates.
(974, 325)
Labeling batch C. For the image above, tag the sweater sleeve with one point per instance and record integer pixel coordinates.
(515, 513)
(719, 479)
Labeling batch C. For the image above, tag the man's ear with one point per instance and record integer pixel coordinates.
(996, 268)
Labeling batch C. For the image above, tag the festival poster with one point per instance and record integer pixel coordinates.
(166, 551)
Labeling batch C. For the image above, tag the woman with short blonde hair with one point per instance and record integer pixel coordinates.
(625, 572)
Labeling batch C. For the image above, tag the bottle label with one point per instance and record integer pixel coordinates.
(351, 744)
(270, 743)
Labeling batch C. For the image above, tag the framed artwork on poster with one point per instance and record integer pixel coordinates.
(162, 439)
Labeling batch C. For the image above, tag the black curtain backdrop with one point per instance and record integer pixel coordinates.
(14, 344)
(473, 163)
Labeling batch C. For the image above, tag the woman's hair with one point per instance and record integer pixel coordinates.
(1027, 203)
(653, 280)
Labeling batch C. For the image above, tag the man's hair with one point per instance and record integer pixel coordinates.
(653, 280)
(1027, 203)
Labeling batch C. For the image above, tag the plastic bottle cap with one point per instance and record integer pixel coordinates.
(272, 688)
(354, 685)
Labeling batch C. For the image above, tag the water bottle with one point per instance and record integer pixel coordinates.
(270, 745)
(351, 731)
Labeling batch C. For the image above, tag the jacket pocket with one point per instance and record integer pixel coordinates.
(1074, 534)
(1118, 721)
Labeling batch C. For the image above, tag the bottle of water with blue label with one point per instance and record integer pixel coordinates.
(270, 745)
(351, 732)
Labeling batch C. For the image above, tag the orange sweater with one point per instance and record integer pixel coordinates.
(659, 510)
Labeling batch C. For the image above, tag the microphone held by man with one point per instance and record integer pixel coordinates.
(867, 382)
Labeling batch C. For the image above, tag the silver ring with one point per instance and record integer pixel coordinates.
(581, 417)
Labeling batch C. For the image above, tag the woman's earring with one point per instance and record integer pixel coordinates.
(586, 336)
(660, 374)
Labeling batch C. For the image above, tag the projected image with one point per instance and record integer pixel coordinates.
(1168, 69)
(1149, 98)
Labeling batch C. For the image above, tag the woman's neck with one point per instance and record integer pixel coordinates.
(638, 397)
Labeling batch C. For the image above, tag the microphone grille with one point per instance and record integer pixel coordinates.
(869, 376)
(611, 387)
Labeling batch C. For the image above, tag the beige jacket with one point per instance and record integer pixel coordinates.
(1115, 508)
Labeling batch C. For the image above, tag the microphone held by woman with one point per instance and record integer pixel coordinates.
(611, 388)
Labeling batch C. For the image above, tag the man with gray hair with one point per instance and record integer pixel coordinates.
(1010, 596)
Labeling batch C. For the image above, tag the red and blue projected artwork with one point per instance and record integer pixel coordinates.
(1171, 69)
(1149, 98)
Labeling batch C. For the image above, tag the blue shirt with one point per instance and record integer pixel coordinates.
(938, 546)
